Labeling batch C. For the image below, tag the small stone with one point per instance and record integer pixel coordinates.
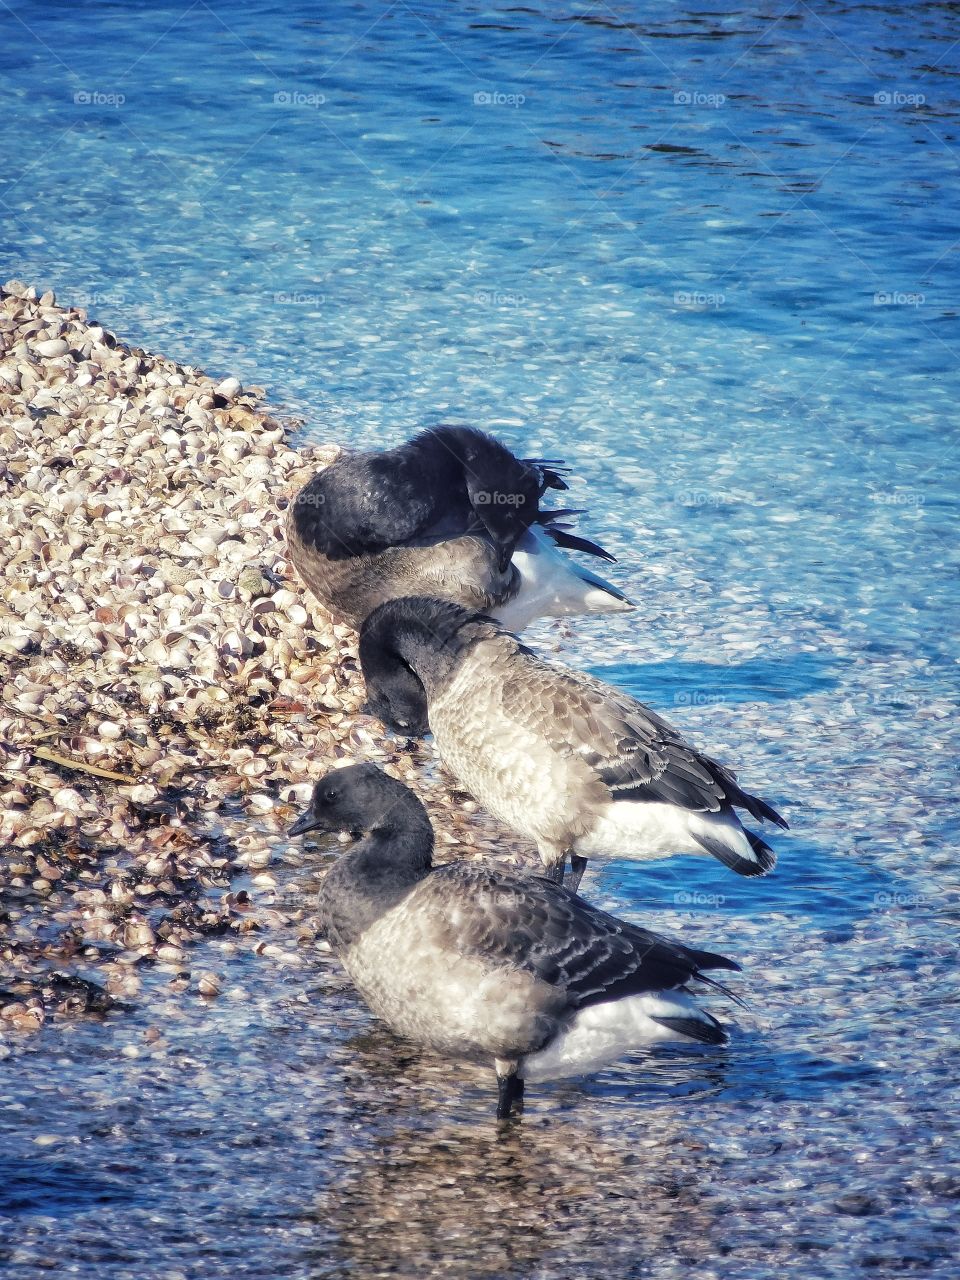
(52, 347)
(252, 584)
(142, 793)
(229, 388)
(68, 800)
(856, 1204)
(138, 934)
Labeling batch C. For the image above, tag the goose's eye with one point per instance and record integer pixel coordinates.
(328, 797)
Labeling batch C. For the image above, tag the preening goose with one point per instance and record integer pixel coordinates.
(453, 514)
(578, 766)
(482, 964)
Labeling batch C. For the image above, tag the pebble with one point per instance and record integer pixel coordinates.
(51, 348)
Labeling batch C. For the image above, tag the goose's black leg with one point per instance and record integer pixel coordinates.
(578, 866)
(518, 1094)
(509, 1094)
(555, 871)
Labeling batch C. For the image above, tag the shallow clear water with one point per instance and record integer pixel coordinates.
(709, 257)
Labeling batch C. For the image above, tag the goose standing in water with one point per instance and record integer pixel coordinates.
(452, 514)
(482, 964)
(572, 763)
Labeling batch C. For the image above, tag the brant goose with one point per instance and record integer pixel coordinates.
(453, 514)
(562, 758)
(480, 963)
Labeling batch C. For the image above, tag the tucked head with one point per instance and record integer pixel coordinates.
(359, 799)
(504, 491)
(409, 648)
(506, 506)
(395, 694)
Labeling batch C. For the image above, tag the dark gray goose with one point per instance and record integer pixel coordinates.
(482, 964)
(451, 514)
(578, 766)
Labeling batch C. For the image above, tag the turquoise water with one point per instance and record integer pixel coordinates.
(709, 255)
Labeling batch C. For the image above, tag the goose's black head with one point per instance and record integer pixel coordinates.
(398, 700)
(360, 798)
(395, 692)
(409, 649)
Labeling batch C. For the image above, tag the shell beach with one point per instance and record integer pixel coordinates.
(168, 688)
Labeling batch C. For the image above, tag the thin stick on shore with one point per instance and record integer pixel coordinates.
(65, 762)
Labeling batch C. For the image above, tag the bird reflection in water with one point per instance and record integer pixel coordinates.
(609, 1173)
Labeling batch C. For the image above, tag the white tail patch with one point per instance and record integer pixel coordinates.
(641, 829)
(724, 837)
(552, 585)
(724, 828)
(602, 1033)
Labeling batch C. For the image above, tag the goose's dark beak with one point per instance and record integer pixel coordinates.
(306, 822)
(503, 556)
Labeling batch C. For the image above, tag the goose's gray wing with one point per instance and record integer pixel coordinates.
(632, 751)
(532, 924)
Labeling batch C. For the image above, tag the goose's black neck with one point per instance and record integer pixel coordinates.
(404, 832)
(429, 636)
(377, 874)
